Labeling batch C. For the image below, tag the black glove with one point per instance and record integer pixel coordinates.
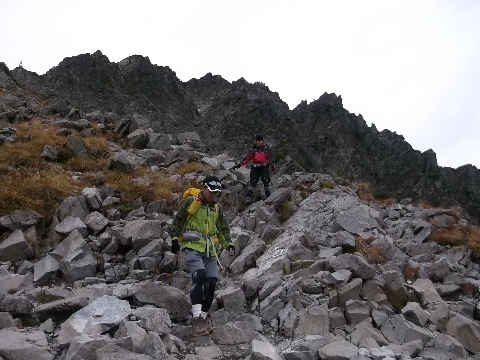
(175, 246)
(231, 250)
(235, 167)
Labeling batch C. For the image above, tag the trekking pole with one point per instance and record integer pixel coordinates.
(209, 239)
(175, 262)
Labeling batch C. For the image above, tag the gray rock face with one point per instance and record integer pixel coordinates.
(312, 321)
(233, 333)
(94, 319)
(264, 350)
(20, 219)
(356, 220)
(399, 331)
(45, 269)
(16, 346)
(154, 319)
(466, 331)
(170, 298)
(138, 233)
(74, 206)
(125, 161)
(69, 224)
(15, 247)
(6, 78)
(338, 350)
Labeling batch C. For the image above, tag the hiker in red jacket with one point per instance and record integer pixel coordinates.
(262, 160)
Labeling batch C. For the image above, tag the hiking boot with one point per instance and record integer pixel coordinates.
(200, 327)
(208, 322)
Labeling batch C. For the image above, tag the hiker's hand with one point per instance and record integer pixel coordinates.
(175, 246)
(235, 167)
(231, 250)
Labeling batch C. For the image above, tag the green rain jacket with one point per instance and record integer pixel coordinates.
(208, 220)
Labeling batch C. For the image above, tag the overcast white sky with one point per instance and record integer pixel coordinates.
(409, 66)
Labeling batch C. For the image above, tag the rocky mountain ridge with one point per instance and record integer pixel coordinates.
(318, 273)
(226, 115)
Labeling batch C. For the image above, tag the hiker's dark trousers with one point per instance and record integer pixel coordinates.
(259, 173)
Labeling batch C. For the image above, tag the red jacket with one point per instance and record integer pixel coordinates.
(260, 156)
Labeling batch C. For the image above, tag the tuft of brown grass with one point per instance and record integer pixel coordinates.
(87, 164)
(160, 187)
(457, 235)
(365, 193)
(191, 167)
(468, 289)
(325, 184)
(451, 235)
(44, 298)
(42, 191)
(29, 182)
(372, 253)
(410, 273)
(33, 137)
(457, 212)
(96, 143)
(424, 205)
(284, 211)
(397, 302)
(363, 190)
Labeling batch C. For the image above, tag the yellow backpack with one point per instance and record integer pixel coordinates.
(192, 209)
(191, 192)
(195, 204)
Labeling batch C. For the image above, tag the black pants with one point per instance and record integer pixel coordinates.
(259, 173)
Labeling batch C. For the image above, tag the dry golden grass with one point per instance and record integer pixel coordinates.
(26, 151)
(285, 211)
(457, 212)
(452, 235)
(424, 205)
(305, 189)
(27, 181)
(473, 239)
(43, 297)
(456, 235)
(373, 254)
(160, 187)
(191, 167)
(325, 184)
(410, 273)
(365, 193)
(42, 191)
(96, 143)
(86, 164)
(397, 302)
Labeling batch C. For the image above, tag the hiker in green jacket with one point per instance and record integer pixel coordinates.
(261, 157)
(198, 227)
